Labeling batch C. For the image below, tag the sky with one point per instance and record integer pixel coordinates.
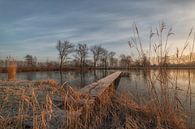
(34, 26)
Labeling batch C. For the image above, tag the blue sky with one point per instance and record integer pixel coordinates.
(34, 26)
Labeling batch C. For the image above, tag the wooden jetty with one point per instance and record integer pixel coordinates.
(104, 87)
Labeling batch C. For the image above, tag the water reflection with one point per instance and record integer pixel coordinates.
(30, 76)
(82, 78)
(180, 82)
(77, 79)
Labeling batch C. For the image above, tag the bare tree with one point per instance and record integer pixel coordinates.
(64, 50)
(104, 57)
(129, 61)
(125, 61)
(29, 60)
(111, 58)
(122, 60)
(35, 61)
(145, 61)
(81, 53)
(114, 62)
(97, 51)
(137, 62)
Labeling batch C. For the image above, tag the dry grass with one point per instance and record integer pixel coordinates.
(46, 105)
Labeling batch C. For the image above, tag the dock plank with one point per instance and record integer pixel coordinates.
(98, 88)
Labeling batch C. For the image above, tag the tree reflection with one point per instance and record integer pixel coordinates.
(82, 78)
(95, 75)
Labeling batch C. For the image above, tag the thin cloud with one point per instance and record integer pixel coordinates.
(24, 28)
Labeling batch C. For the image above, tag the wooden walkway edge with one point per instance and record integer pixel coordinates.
(103, 86)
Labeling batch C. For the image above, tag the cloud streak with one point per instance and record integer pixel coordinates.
(33, 27)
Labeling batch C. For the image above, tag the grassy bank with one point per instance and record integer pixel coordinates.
(45, 104)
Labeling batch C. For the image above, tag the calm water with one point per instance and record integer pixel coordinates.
(76, 79)
(181, 82)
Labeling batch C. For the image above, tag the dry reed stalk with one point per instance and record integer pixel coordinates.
(163, 102)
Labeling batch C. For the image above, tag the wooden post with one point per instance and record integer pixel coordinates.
(11, 69)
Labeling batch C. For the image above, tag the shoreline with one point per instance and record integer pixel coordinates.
(55, 69)
(76, 106)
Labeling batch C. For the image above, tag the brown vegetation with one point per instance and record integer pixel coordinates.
(46, 104)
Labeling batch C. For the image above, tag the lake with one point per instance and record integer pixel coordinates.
(181, 82)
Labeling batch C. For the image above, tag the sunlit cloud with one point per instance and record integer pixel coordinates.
(25, 29)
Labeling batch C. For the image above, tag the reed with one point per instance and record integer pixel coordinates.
(159, 84)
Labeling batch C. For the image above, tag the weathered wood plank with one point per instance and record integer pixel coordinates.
(96, 89)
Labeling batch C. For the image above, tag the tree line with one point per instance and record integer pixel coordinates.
(101, 57)
(80, 56)
(81, 52)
